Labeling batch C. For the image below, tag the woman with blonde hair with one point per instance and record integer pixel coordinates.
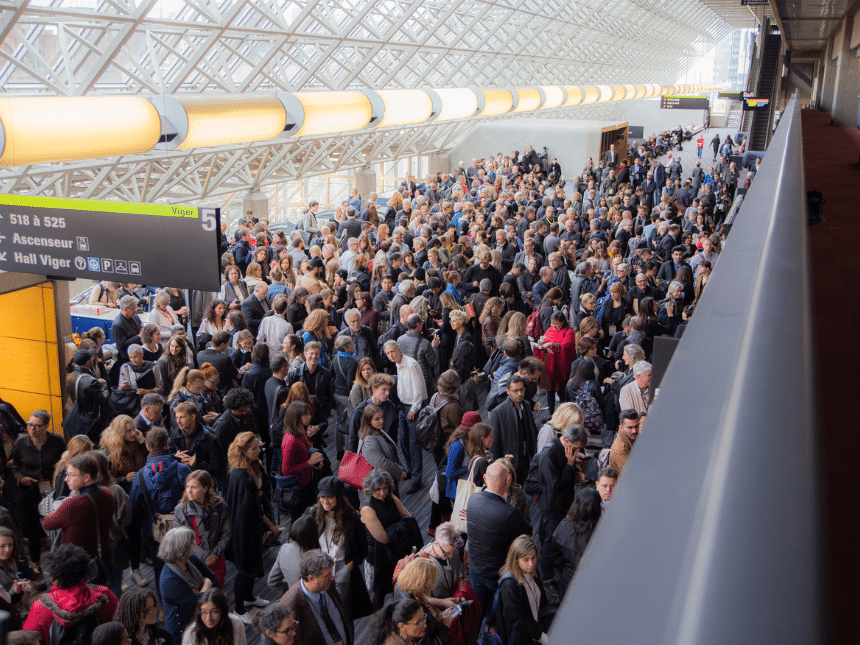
(289, 273)
(489, 320)
(565, 415)
(78, 445)
(361, 387)
(162, 313)
(416, 582)
(521, 597)
(248, 494)
(125, 448)
(316, 328)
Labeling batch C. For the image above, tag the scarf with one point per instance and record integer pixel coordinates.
(192, 577)
(346, 355)
(533, 594)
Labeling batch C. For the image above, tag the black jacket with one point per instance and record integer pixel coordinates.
(565, 552)
(320, 385)
(276, 392)
(207, 447)
(514, 612)
(557, 480)
(247, 506)
(90, 395)
(508, 440)
(255, 381)
(343, 370)
(227, 370)
(228, 426)
(254, 311)
(125, 332)
(492, 526)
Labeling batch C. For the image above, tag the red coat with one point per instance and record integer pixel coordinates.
(72, 604)
(557, 362)
(295, 452)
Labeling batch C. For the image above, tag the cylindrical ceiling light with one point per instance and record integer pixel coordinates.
(574, 95)
(606, 93)
(530, 99)
(590, 94)
(399, 107)
(457, 103)
(41, 129)
(225, 120)
(630, 91)
(554, 96)
(497, 101)
(619, 93)
(310, 113)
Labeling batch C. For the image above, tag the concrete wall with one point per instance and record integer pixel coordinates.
(648, 113)
(572, 142)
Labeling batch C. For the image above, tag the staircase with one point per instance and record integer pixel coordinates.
(735, 113)
(768, 69)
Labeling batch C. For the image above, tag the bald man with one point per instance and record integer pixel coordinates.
(492, 525)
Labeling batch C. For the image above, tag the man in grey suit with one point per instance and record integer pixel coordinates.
(698, 176)
(611, 157)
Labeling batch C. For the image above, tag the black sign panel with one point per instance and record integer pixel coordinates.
(155, 244)
(734, 96)
(684, 103)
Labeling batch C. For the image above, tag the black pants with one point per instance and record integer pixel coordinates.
(243, 590)
(31, 522)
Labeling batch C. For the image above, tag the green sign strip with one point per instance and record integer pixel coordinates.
(161, 210)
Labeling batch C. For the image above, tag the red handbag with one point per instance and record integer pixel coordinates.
(353, 469)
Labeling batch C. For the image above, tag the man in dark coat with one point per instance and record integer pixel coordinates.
(194, 445)
(558, 477)
(483, 270)
(514, 425)
(380, 389)
(276, 392)
(492, 525)
(256, 306)
(235, 418)
(317, 379)
(316, 604)
(227, 370)
(90, 393)
(126, 327)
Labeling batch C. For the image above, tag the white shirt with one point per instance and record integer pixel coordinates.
(411, 388)
(347, 260)
(273, 330)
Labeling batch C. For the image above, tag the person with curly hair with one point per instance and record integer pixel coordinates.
(138, 612)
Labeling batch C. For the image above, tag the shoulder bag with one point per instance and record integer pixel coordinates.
(163, 522)
(78, 421)
(465, 489)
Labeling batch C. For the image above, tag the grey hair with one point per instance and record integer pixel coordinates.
(134, 349)
(314, 563)
(405, 286)
(352, 312)
(456, 313)
(162, 297)
(674, 286)
(575, 433)
(342, 342)
(641, 367)
(351, 241)
(624, 267)
(390, 343)
(635, 352)
(176, 544)
(376, 478)
(449, 535)
(126, 302)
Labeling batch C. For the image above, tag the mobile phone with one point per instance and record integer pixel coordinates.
(465, 603)
(456, 610)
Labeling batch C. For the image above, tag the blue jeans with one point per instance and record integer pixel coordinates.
(485, 589)
(413, 453)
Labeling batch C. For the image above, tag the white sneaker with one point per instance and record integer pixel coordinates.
(259, 602)
(245, 618)
(139, 579)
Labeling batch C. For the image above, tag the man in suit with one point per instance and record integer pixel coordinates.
(698, 177)
(126, 327)
(675, 169)
(276, 392)
(492, 525)
(256, 306)
(529, 253)
(350, 227)
(227, 371)
(514, 426)
(151, 407)
(611, 157)
(316, 604)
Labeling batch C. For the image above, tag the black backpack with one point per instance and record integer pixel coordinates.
(73, 633)
(532, 484)
(428, 430)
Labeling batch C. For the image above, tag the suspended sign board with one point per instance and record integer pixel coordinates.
(153, 244)
(684, 103)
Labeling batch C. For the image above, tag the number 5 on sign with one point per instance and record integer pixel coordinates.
(208, 217)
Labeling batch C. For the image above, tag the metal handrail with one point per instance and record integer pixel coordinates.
(714, 533)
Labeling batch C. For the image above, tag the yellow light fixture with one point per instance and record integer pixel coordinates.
(555, 96)
(399, 107)
(310, 113)
(42, 129)
(590, 94)
(496, 101)
(225, 120)
(606, 93)
(574, 95)
(457, 103)
(528, 99)
(618, 93)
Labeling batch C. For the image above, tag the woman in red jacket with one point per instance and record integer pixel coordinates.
(296, 456)
(557, 350)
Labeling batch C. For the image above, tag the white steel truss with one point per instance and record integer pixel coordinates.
(153, 47)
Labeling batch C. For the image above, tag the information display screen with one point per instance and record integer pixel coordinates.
(755, 104)
(684, 103)
(153, 244)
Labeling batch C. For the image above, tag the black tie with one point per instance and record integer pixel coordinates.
(327, 619)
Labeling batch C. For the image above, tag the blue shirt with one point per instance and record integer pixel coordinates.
(334, 612)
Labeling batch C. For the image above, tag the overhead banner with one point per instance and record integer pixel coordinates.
(153, 244)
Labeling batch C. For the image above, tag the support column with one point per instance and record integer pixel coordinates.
(257, 202)
(827, 85)
(847, 84)
(365, 181)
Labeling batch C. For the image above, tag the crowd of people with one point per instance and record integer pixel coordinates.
(495, 322)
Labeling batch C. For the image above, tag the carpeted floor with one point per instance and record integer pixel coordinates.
(831, 165)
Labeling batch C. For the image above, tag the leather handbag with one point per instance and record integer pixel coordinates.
(78, 421)
(353, 469)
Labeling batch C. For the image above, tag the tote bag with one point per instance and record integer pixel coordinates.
(465, 489)
(354, 468)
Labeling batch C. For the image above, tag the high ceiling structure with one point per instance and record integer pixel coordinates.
(179, 47)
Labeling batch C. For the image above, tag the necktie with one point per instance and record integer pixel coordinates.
(331, 628)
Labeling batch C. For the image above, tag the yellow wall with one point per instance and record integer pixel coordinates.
(29, 359)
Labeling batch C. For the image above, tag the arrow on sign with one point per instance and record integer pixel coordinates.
(2, 237)
(3, 257)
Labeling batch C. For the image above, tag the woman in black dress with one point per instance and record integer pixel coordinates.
(381, 510)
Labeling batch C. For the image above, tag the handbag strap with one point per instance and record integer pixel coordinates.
(98, 525)
(146, 496)
(472, 465)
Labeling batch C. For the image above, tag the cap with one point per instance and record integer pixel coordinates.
(330, 487)
(316, 263)
(470, 419)
(82, 356)
(342, 273)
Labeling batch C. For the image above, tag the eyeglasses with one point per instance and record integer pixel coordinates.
(213, 612)
(289, 630)
(36, 425)
(71, 475)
